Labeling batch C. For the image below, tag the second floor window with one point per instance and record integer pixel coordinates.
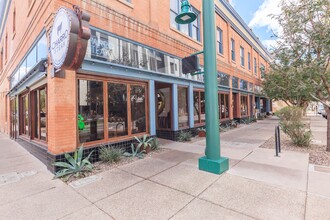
(232, 46)
(14, 20)
(192, 29)
(219, 41)
(242, 56)
(249, 60)
(255, 66)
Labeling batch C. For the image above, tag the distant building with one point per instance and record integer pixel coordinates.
(130, 82)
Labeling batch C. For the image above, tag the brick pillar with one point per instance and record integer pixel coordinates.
(62, 113)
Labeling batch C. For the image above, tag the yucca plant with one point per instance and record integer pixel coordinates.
(76, 165)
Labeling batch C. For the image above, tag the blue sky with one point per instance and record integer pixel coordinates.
(256, 13)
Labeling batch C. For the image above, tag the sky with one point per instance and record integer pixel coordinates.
(256, 14)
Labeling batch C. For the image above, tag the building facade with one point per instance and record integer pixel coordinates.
(130, 82)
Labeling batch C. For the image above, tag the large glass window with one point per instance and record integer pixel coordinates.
(42, 48)
(90, 111)
(224, 105)
(138, 109)
(193, 29)
(117, 110)
(199, 107)
(244, 105)
(25, 115)
(39, 112)
(220, 41)
(163, 106)
(183, 106)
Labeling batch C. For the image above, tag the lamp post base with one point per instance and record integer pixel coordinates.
(213, 166)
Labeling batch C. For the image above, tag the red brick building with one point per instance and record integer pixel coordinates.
(130, 82)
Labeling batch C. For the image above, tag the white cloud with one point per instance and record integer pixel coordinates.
(269, 44)
(263, 16)
(232, 2)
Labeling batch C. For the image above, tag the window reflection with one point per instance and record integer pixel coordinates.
(244, 105)
(43, 114)
(90, 111)
(199, 107)
(117, 110)
(138, 109)
(183, 106)
(164, 107)
(224, 105)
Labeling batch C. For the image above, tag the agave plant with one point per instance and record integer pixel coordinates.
(136, 152)
(76, 165)
(144, 142)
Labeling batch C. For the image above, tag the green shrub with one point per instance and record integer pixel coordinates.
(110, 154)
(155, 144)
(76, 165)
(184, 136)
(292, 125)
(290, 113)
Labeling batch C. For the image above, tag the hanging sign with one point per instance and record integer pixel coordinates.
(68, 38)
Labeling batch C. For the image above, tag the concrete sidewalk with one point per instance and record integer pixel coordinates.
(170, 186)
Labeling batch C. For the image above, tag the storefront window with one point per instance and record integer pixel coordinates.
(90, 111)
(117, 110)
(244, 105)
(224, 104)
(183, 106)
(43, 114)
(25, 115)
(138, 109)
(164, 107)
(199, 107)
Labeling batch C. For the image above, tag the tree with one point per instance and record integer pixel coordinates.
(302, 56)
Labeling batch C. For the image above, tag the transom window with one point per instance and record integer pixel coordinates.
(192, 29)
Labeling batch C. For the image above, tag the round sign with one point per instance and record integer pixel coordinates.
(60, 37)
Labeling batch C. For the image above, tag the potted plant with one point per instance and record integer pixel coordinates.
(201, 132)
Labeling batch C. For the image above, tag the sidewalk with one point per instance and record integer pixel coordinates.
(170, 186)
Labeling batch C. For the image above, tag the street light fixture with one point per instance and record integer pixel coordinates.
(212, 161)
(186, 16)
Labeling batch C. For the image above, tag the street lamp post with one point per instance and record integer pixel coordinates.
(212, 161)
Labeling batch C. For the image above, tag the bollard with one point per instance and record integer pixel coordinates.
(276, 142)
(279, 139)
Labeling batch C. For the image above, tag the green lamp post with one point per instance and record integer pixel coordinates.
(212, 161)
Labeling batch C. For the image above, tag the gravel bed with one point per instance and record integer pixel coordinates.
(317, 153)
(102, 167)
